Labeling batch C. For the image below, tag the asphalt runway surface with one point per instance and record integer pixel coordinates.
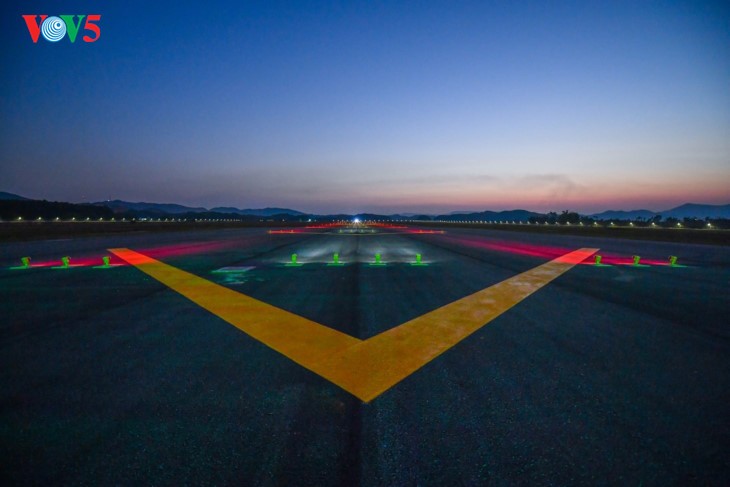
(613, 375)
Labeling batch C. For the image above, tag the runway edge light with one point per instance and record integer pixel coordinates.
(106, 263)
(673, 261)
(65, 261)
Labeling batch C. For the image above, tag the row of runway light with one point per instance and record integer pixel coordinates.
(374, 222)
(635, 262)
(538, 224)
(117, 220)
(376, 262)
(65, 262)
(355, 231)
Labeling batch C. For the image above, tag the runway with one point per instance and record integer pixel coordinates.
(210, 358)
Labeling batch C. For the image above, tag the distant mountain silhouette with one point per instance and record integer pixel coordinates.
(119, 206)
(687, 210)
(144, 209)
(162, 209)
(509, 215)
(692, 210)
(624, 215)
(257, 211)
(10, 196)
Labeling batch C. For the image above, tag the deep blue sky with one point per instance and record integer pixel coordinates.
(388, 106)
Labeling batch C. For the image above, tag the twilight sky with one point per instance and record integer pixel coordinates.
(372, 106)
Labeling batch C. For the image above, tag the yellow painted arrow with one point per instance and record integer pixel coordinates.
(365, 368)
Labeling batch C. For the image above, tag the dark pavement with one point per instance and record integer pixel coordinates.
(609, 375)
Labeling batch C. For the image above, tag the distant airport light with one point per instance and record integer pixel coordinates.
(672, 260)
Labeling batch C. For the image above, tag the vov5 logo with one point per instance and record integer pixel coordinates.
(55, 28)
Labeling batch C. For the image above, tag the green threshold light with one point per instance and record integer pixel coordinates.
(378, 262)
(293, 262)
(418, 261)
(336, 260)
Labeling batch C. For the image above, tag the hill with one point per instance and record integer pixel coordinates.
(691, 210)
(687, 210)
(12, 197)
(119, 206)
(624, 215)
(257, 211)
(509, 215)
